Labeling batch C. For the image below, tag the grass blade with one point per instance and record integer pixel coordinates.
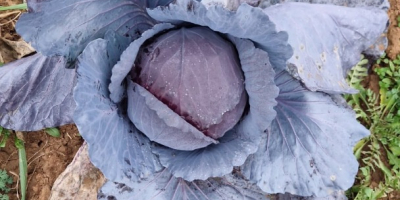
(23, 172)
(22, 6)
(53, 132)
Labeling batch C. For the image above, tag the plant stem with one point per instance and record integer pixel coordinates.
(23, 172)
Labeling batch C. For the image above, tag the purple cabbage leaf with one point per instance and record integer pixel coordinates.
(240, 142)
(160, 123)
(348, 3)
(273, 133)
(196, 73)
(190, 81)
(336, 195)
(118, 83)
(308, 148)
(102, 123)
(64, 28)
(35, 93)
(156, 3)
(329, 42)
(133, 158)
(164, 186)
(246, 22)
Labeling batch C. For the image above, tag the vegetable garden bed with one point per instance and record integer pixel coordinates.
(48, 156)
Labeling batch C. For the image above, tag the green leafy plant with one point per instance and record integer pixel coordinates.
(380, 113)
(19, 143)
(4, 135)
(4, 181)
(53, 132)
(355, 78)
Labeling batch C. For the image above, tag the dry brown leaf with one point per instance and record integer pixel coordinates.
(80, 180)
(13, 50)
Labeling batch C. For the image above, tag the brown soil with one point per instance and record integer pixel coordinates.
(378, 175)
(7, 30)
(372, 80)
(47, 158)
(12, 47)
(394, 31)
(8, 20)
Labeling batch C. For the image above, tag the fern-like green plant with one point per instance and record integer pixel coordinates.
(355, 77)
(5, 180)
(380, 113)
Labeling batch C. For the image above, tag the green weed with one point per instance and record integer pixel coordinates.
(5, 134)
(5, 180)
(53, 132)
(23, 166)
(380, 114)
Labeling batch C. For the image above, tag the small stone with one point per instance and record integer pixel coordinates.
(80, 180)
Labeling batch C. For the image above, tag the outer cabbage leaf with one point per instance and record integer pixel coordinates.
(328, 42)
(123, 67)
(155, 3)
(308, 148)
(240, 142)
(116, 147)
(230, 4)
(348, 3)
(336, 195)
(36, 92)
(160, 123)
(259, 81)
(60, 27)
(163, 186)
(247, 22)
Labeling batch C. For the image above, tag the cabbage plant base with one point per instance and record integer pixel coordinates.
(320, 158)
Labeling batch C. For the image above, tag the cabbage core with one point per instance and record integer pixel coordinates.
(196, 73)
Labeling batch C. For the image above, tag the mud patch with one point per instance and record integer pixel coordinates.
(394, 31)
(47, 158)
